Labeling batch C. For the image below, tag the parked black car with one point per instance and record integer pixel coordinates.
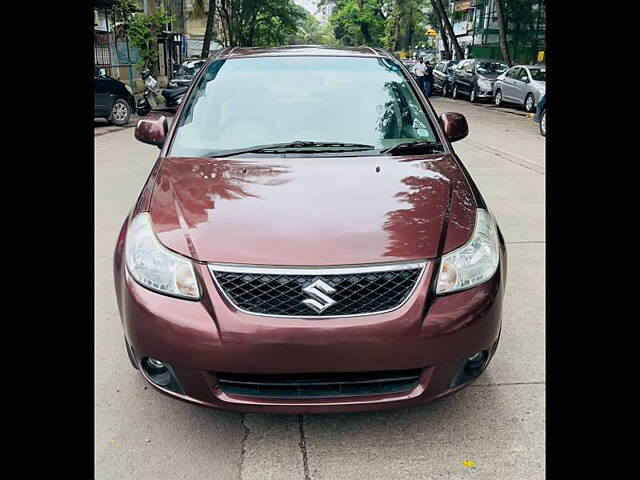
(186, 73)
(112, 99)
(474, 78)
(443, 77)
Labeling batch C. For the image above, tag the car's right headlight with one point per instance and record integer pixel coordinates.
(154, 266)
(486, 84)
(473, 263)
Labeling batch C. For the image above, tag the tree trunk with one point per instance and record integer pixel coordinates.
(208, 33)
(437, 4)
(502, 28)
(443, 34)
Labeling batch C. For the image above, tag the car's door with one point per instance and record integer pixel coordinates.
(437, 76)
(468, 75)
(100, 93)
(509, 84)
(457, 75)
(520, 84)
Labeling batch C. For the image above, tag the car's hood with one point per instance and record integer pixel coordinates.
(312, 211)
(489, 76)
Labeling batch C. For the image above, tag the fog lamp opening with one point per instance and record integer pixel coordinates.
(470, 368)
(161, 374)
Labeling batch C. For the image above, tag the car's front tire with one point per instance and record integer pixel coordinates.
(498, 98)
(529, 103)
(454, 94)
(120, 112)
(543, 123)
(445, 90)
(472, 95)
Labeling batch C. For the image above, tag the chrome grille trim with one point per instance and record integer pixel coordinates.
(316, 271)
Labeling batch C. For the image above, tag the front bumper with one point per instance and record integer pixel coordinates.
(484, 94)
(201, 338)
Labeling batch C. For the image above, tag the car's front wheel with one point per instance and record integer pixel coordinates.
(454, 94)
(529, 103)
(445, 90)
(498, 98)
(543, 123)
(472, 95)
(120, 112)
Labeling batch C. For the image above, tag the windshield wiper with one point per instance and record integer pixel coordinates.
(298, 145)
(430, 147)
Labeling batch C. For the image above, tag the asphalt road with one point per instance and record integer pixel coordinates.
(494, 429)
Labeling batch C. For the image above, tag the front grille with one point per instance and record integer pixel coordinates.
(329, 292)
(319, 385)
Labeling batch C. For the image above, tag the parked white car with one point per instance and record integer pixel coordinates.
(521, 85)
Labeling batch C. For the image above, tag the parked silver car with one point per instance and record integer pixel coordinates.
(522, 85)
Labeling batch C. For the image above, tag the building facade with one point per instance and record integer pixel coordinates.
(475, 25)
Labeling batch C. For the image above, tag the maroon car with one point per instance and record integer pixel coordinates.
(308, 241)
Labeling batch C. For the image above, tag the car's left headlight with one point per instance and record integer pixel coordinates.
(154, 266)
(473, 263)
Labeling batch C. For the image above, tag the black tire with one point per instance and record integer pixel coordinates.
(543, 123)
(120, 112)
(144, 110)
(529, 103)
(472, 95)
(498, 98)
(445, 90)
(454, 94)
(130, 355)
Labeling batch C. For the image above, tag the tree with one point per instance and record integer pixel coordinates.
(142, 30)
(311, 32)
(437, 5)
(436, 21)
(502, 29)
(359, 22)
(208, 33)
(404, 20)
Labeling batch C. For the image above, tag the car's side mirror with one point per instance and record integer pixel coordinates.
(525, 79)
(454, 125)
(152, 131)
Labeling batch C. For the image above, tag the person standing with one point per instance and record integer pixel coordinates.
(419, 71)
(428, 78)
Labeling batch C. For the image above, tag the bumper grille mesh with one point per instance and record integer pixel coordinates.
(283, 295)
(319, 385)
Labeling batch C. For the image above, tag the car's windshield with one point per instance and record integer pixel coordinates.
(491, 68)
(190, 69)
(452, 65)
(244, 102)
(539, 74)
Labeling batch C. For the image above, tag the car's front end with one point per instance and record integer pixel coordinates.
(485, 88)
(309, 279)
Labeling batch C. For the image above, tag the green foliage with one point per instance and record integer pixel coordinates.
(360, 22)
(312, 32)
(141, 29)
(258, 22)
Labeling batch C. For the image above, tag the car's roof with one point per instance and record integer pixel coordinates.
(531, 66)
(302, 50)
(486, 60)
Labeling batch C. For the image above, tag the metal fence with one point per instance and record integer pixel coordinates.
(524, 54)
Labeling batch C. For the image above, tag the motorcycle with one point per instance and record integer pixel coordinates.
(152, 97)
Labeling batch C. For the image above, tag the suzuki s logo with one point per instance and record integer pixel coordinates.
(318, 291)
